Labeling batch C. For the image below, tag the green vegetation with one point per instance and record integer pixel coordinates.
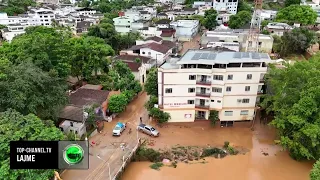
(15, 7)
(117, 103)
(296, 41)
(297, 14)
(210, 19)
(295, 103)
(156, 165)
(240, 19)
(315, 172)
(213, 117)
(147, 154)
(213, 152)
(276, 6)
(15, 127)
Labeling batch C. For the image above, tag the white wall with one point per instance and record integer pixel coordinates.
(181, 115)
(236, 115)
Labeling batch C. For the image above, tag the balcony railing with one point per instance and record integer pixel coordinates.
(203, 94)
(200, 118)
(260, 92)
(201, 106)
(200, 82)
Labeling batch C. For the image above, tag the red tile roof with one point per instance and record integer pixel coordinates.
(154, 46)
(154, 38)
(134, 66)
(167, 34)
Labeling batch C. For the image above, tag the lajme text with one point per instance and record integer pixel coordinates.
(26, 158)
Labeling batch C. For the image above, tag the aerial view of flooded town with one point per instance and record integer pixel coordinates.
(159, 89)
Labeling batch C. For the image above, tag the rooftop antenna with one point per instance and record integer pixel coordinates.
(252, 44)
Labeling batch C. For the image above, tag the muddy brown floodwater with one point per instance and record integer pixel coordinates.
(265, 161)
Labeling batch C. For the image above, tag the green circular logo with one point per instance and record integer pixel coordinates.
(73, 154)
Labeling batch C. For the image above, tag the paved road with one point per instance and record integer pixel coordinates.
(109, 147)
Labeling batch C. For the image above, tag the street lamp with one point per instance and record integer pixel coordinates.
(108, 166)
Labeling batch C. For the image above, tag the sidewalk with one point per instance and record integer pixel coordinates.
(109, 146)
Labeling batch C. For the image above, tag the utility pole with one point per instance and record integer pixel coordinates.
(252, 44)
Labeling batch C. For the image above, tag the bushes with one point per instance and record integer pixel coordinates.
(144, 154)
(213, 152)
(117, 103)
(161, 116)
(152, 101)
(156, 165)
(214, 117)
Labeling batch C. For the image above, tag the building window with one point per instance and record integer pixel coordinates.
(143, 52)
(247, 88)
(191, 90)
(149, 53)
(168, 90)
(190, 101)
(228, 89)
(218, 90)
(249, 76)
(212, 100)
(244, 112)
(230, 77)
(228, 113)
(245, 100)
(192, 77)
(218, 77)
(218, 101)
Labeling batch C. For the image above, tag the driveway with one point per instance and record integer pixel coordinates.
(108, 147)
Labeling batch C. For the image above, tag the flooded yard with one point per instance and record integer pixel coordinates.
(264, 161)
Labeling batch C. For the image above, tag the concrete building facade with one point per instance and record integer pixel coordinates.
(202, 80)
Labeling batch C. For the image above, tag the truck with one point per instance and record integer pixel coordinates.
(148, 130)
(118, 129)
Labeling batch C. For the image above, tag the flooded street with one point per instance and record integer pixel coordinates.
(265, 160)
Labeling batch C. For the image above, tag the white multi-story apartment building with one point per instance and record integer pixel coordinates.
(202, 80)
(225, 5)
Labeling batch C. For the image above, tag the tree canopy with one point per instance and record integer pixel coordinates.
(210, 19)
(295, 100)
(291, 2)
(28, 89)
(240, 19)
(297, 13)
(296, 41)
(315, 172)
(15, 7)
(45, 47)
(15, 127)
(87, 55)
(151, 85)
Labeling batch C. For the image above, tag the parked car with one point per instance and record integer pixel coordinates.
(118, 129)
(148, 130)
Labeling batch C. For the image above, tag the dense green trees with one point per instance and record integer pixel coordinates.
(28, 89)
(297, 14)
(14, 127)
(295, 101)
(107, 32)
(315, 172)
(45, 47)
(291, 2)
(210, 19)
(15, 7)
(151, 85)
(87, 55)
(295, 41)
(239, 20)
(244, 6)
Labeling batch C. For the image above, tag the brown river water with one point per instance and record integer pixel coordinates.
(254, 165)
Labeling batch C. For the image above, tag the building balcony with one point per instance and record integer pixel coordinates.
(203, 94)
(200, 118)
(199, 82)
(259, 92)
(261, 81)
(201, 106)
